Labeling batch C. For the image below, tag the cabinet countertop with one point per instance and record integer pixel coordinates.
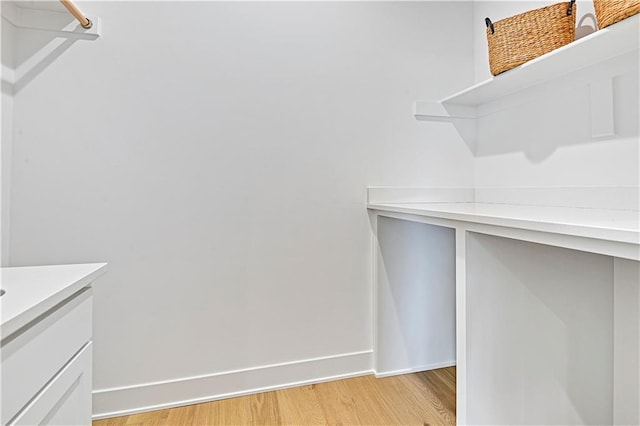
(33, 290)
(611, 225)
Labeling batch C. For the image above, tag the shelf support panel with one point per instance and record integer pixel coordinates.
(601, 97)
(437, 111)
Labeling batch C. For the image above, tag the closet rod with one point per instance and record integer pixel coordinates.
(73, 9)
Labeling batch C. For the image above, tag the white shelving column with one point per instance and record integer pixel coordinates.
(626, 342)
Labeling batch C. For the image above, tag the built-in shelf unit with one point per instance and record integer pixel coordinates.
(601, 54)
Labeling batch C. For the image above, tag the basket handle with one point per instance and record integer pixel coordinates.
(489, 24)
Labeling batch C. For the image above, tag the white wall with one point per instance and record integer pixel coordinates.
(547, 141)
(216, 155)
(6, 108)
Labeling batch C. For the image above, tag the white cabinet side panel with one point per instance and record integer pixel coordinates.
(626, 342)
(539, 334)
(415, 297)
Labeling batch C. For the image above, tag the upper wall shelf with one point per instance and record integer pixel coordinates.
(600, 47)
(49, 16)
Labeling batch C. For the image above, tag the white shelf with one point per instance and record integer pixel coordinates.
(601, 47)
(596, 230)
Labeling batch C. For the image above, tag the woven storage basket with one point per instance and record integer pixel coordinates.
(521, 38)
(611, 11)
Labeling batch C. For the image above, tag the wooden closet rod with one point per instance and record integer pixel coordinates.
(73, 9)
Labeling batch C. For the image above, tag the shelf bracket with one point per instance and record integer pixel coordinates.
(437, 111)
(461, 117)
(61, 23)
(602, 117)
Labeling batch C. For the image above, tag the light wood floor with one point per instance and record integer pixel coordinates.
(427, 398)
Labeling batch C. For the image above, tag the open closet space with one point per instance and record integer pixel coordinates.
(367, 212)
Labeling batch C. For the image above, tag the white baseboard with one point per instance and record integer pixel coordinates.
(415, 369)
(191, 390)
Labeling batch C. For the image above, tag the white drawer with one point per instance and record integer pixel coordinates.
(33, 355)
(65, 400)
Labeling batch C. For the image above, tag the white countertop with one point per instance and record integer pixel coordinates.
(611, 225)
(32, 290)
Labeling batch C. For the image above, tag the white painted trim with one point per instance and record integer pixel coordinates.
(415, 369)
(373, 220)
(191, 390)
(461, 325)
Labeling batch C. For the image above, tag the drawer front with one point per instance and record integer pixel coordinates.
(32, 356)
(66, 400)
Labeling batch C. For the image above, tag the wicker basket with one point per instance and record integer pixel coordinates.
(521, 38)
(611, 11)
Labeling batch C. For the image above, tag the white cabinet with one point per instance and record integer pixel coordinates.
(546, 306)
(46, 362)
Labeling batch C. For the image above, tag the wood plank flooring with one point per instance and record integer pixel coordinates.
(426, 398)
